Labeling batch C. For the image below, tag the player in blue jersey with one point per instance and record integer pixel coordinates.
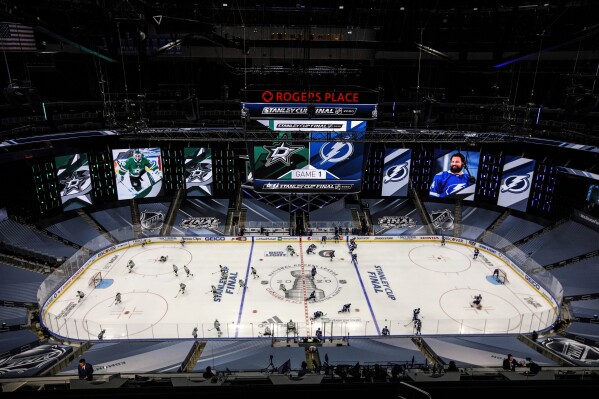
(453, 180)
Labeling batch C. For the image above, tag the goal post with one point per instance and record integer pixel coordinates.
(95, 280)
(501, 276)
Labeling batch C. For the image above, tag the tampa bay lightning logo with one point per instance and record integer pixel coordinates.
(396, 173)
(335, 152)
(516, 184)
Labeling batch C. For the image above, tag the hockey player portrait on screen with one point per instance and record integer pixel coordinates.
(138, 172)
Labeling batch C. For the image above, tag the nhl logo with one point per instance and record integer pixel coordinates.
(151, 220)
(442, 219)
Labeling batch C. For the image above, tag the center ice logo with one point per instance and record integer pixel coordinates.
(294, 284)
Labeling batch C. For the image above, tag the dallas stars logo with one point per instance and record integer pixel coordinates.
(74, 182)
(281, 153)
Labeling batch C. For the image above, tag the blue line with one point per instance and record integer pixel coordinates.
(247, 273)
(376, 325)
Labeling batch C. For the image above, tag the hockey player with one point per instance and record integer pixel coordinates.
(137, 166)
(130, 265)
(311, 249)
(476, 252)
(331, 255)
(195, 332)
(290, 250)
(267, 331)
(143, 243)
(101, 335)
(477, 300)
(182, 288)
(254, 273)
(354, 257)
(182, 242)
(290, 327)
(442, 240)
(242, 284)
(415, 314)
(418, 326)
(323, 240)
(80, 295)
(317, 314)
(385, 331)
(352, 242)
(213, 290)
(187, 271)
(313, 271)
(117, 298)
(318, 334)
(312, 296)
(345, 308)
(217, 327)
(163, 258)
(175, 270)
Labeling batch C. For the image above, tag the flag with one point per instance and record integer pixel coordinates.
(285, 367)
(16, 37)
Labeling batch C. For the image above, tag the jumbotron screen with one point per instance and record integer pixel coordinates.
(309, 166)
(74, 181)
(138, 172)
(198, 171)
(454, 174)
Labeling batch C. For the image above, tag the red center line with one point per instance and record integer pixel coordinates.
(302, 267)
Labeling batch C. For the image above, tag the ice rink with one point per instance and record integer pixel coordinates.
(391, 277)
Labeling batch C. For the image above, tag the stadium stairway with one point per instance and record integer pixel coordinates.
(194, 354)
(457, 218)
(500, 219)
(544, 351)
(83, 215)
(172, 213)
(424, 215)
(135, 218)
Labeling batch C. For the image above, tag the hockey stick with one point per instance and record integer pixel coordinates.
(405, 325)
(178, 293)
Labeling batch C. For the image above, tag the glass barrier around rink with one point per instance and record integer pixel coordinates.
(531, 270)
(89, 330)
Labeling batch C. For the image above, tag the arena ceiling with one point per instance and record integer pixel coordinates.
(518, 54)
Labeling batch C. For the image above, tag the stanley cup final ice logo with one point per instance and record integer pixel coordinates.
(293, 284)
(297, 292)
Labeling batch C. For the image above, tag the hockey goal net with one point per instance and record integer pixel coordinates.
(501, 276)
(95, 280)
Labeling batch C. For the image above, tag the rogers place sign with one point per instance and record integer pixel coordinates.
(350, 97)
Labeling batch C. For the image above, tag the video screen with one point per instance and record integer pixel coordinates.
(454, 174)
(593, 194)
(74, 181)
(138, 172)
(396, 172)
(302, 166)
(516, 182)
(198, 171)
